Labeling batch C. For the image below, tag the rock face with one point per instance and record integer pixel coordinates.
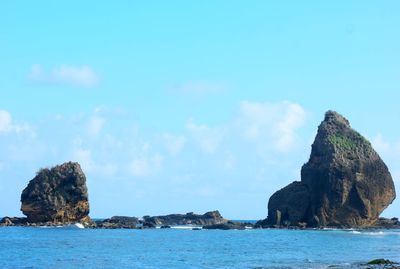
(118, 222)
(344, 183)
(229, 225)
(289, 204)
(57, 195)
(212, 217)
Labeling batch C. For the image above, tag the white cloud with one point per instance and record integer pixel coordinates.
(174, 144)
(84, 158)
(206, 137)
(380, 145)
(198, 87)
(142, 167)
(95, 125)
(230, 162)
(7, 124)
(5, 121)
(271, 122)
(65, 74)
(389, 151)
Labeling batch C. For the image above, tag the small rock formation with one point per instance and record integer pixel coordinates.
(344, 184)
(212, 217)
(229, 225)
(118, 222)
(385, 223)
(13, 221)
(382, 263)
(57, 195)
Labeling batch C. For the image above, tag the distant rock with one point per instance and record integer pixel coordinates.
(57, 195)
(385, 223)
(118, 222)
(212, 217)
(344, 184)
(13, 221)
(229, 225)
(382, 264)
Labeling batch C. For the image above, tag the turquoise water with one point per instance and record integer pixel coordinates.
(22, 247)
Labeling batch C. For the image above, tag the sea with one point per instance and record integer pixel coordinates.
(182, 247)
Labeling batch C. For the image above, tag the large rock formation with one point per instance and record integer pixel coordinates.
(289, 204)
(57, 195)
(344, 183)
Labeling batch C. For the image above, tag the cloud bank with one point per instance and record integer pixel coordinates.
(83, 75)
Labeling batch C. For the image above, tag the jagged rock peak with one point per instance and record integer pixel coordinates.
(57, 195)
(344, 183)
(335, 118)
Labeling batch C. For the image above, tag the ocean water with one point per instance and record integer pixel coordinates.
(23, 247)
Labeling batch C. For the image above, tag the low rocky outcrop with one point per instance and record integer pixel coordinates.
(209, 218)
(381, 264)
(385, 223)
(118, 222)
(57, 195)
(13, 221)
(123, 222)
(229, 225)
(344, 184)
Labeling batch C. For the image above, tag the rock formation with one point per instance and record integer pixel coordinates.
(118, 222)
(345, 183)
(229, 225)
(57, 195)
(212, 217)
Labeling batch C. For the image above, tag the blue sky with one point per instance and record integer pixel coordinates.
(178, 106)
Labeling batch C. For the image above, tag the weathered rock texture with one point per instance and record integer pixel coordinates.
(289, 204)
(118, 222)
(344, 183)
(230, 225)
(209, 218)
(57, 195)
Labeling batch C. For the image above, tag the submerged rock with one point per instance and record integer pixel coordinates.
(344, 184)
(57, 195)
(382, 264)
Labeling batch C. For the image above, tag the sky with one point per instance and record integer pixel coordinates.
(181, 106)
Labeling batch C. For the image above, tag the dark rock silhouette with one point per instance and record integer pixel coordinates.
(344, 184)
(57, 195)
(229, 225)
(212, 217)
(118, 222)
(288, 204)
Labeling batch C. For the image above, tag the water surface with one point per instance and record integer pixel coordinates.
(23, 247)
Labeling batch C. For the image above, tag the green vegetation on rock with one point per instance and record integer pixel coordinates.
(343, 142)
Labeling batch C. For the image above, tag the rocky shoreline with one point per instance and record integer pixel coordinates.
(345, 184)
(210, 220)
(125, 222)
